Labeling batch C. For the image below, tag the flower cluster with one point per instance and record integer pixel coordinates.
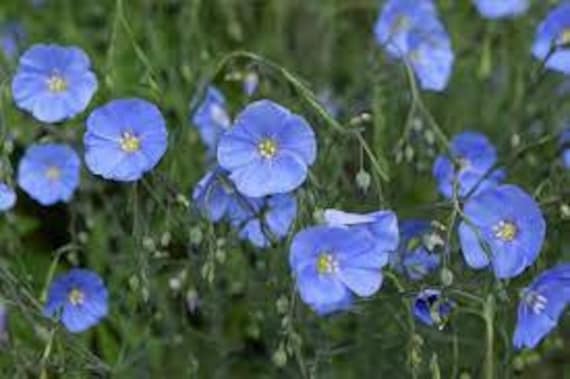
(124, 139)
(258, 161)
(262, 157)
(334, 262)
(411, 30)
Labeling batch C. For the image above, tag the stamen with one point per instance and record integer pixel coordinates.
(56, 83)
(76, 297)
(267, 148)
(535, 301)
(326, 264)
(506, 231)
(130, 143)
(53, 173)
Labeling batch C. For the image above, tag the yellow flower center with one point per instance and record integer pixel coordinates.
(564, 38)
(506, 230)
(130, 143)
(76, 297)
(53, 173)
(56, 83)
(326, 264)
(267, 148)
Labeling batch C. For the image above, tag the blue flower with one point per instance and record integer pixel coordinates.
(7, 197)
(565, 142)
(332, 264)
(504, 227)
(541, 306)
(79, 297)
(431, 308)
(493, 9)
(397, 20)
(12, 35)
(268, 150)
(211, 118)
(261, 220)
(475, 156)
(214, 194)
(258, 220)
(554, 33)
(414, 257)
(49, 173)
(54, 83)
(411, 30)
(380, 227)
(125, 138)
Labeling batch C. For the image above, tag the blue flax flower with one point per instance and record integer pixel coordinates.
(380, 227)
(54, 83)
(541, 306)
(493, 9)
(332, 264)
(12, 36)
(397, 20)
(504, 228)
(552, 39)
(79, 297)
(214, 194)
(475, 156)
(49, 173)
(260, 220)
(431, 308)
(268, 150)
(125, 139)
(414, 257)
(411, 30)
(7, 197)
(565, 142)
(211, 118)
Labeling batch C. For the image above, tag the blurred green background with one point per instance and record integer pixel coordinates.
(187, 298)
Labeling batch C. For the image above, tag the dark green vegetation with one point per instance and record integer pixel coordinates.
(246, 320)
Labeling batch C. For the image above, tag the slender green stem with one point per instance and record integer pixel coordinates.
(489, 316)
(46, 353)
